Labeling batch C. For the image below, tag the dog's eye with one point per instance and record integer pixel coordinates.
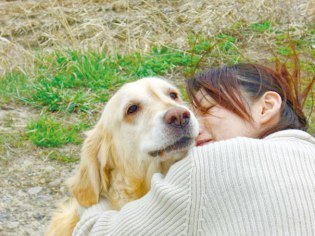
(132, 109)
(173, 95)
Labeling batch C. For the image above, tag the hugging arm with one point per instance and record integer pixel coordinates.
(164, 210)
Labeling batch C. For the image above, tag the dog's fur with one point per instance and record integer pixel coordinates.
(124, 149)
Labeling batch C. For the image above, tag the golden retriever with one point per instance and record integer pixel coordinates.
(144, 128)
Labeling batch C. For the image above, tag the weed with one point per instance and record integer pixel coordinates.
(56, 155)
(13, 86)
(49, 132)
(285, 50)
(264, 26)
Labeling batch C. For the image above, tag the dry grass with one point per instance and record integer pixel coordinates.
(124, 26)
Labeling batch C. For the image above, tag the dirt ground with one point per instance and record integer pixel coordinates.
(31, 183)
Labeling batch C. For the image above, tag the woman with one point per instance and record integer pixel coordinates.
(252, 174)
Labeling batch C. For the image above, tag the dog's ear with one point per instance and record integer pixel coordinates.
(85, 186)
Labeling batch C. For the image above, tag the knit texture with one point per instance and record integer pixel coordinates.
(240, 186)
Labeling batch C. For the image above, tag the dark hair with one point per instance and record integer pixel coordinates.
(226, 86)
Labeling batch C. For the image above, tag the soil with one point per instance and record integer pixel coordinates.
(31, 183)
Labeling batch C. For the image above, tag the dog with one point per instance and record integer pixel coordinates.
(144, 128)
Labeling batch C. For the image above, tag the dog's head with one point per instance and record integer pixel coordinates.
(144, 125)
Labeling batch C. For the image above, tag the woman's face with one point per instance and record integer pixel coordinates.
(221, 124)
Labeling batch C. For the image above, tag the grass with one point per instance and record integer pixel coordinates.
(80, 82)
(57, 155)
(49, 132)
(13, 86)
(260, 27)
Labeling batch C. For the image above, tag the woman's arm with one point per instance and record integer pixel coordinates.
(164, 210)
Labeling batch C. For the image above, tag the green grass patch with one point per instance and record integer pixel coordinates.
(13, 87)
(158, 62)
(260, 27)
(285, 50)
(75, 81)
(49, 132)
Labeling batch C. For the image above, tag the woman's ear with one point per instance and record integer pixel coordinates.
(268, 108)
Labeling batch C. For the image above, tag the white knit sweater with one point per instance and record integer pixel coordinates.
(240, 186)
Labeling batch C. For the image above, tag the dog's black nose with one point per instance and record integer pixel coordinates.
(177, 117)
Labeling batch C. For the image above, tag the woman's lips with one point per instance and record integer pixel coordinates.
(203, 142)
(203, 138)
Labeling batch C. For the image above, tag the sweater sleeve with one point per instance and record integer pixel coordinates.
(163, 211)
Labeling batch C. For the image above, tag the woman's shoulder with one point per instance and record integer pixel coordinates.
(284, 152)
(287, 143)
(292, 134)
(277, 138)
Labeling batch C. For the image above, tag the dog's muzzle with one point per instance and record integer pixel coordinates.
(177, 121)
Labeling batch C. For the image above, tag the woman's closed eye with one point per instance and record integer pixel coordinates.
(206, 110)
